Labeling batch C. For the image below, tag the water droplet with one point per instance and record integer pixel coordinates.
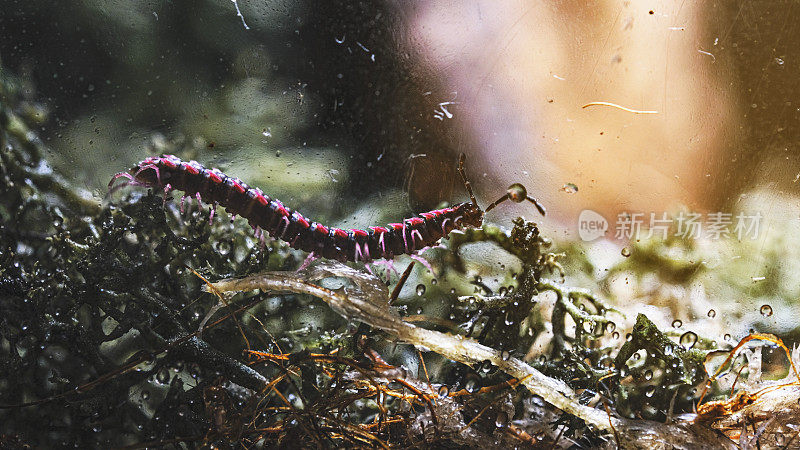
(434, 281)
(712, 313)
(650, 391)
(266, 132)
(626, 252)
(570, 188)
(501, 420)
(610, 327)
(677, 323)
(223, 247)
(779, 61)
(727, 337)
(163, 375)
(471, 386)
(648, 375)
(688, 340)
(444, 391)
(420, 290)
(628, 337)
(505, 355)
(615, 335)
(332, 173)
(402, 371)
(517, 193)
(766, 310)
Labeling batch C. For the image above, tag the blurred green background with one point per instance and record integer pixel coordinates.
(312, 101)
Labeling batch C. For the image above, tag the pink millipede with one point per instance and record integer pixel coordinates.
(266, 214)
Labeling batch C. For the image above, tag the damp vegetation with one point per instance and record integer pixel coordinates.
(128, 322)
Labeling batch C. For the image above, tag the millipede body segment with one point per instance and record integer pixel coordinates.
(267, 214)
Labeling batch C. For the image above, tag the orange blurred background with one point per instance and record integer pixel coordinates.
(520, 72)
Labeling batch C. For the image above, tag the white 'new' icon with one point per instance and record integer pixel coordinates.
(591, 225)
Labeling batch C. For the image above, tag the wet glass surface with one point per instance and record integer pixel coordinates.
(661, 136)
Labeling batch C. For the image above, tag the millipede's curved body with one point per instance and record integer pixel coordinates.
(270, 215)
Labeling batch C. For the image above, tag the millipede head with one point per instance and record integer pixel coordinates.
(146, 173)
(471, 215)
(516, 193)
(155, 170)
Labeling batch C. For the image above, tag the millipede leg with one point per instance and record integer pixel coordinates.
(405, 238)
(423, 261)
(538, 205)
(125, 175)
(263, 240)
(309, 259)
(167, 189)
(131, 182)
(415, 234)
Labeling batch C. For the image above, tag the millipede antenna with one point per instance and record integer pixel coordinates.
(467, 184)
(517, 194)
(497, 202)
